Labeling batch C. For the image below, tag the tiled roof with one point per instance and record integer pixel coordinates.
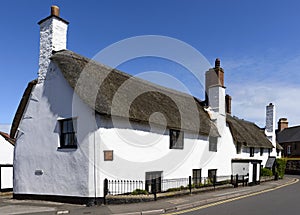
(291, 134)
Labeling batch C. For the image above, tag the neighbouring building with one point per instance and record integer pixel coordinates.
(289, 138)
(6, 162)
(81, 122)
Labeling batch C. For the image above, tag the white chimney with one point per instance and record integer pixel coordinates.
(270, 126)
(53, 37)
(215, 94)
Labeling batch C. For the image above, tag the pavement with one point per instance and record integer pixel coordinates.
(161, 206)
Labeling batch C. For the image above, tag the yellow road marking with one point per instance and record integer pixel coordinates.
(232, 199)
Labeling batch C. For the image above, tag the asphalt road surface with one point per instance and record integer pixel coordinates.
(285, 201)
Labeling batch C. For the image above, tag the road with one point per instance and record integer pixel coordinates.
(281, 201)
(278, 201)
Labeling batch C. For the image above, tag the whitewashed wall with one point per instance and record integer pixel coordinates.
(65, 171)
(81, 172)
(6, 157)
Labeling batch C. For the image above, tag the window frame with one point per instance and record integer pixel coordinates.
(238, 148)
(213, 144)
(252, 149)
(262, 151)
(72, 133)
(179, 135)
(197, 174)
(289, 150)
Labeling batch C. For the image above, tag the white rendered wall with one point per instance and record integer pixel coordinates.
(6, 157)
(6, 151)
(134, 154)
(65, 172)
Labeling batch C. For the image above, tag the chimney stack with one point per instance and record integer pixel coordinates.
(53, 37)
(215, 94)
(228, 104)
(270, 118)
(282, 124)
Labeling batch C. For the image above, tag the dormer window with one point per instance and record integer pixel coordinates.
(213, 144)
(176, 139)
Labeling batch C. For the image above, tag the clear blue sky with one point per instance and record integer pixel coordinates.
(258, 43)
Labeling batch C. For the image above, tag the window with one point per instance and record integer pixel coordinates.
(68, 129)
(289, 150)
(176, 139)
(213, 144)
(238, 148)
(269, 151)
(153, 175)
(277, 151)
(196, 176)
(212, 173)
(251, 151)
(108, 155)
(261, 151)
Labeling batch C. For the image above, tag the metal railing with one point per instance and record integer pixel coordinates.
(117, 187)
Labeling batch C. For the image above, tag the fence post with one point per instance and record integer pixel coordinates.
(215, 181)
(105, 187)
(190, 184)
(237, 180)
(153, 187)
(243, 181)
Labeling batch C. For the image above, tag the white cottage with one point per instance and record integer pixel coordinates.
(81, 122)
(6, 162)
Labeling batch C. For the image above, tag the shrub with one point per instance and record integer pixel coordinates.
(177, 189)
(266, 172)
(280, 167)
(139, 192)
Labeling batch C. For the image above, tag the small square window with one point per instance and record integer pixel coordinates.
(108, 155)
(176, 139)
(68, 130)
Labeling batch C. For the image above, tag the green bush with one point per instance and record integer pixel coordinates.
(280, 167)
(177, 189)
(266, 172)
(139, 192)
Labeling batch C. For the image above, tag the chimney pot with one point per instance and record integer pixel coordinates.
(217, 63)
(228, 103)
(55, 10)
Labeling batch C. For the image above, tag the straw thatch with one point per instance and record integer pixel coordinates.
(115, 93)
(21, 108)
(247, 133)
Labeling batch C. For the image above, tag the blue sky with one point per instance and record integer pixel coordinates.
(258, 43)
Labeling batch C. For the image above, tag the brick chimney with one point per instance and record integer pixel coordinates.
(53, 37)
(214, 77)
(215, 94)
(282, 124)
(228, 103)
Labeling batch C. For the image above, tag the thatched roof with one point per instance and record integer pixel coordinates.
(21, 108)
(115, 93)
(247, 133)
(7, 138)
